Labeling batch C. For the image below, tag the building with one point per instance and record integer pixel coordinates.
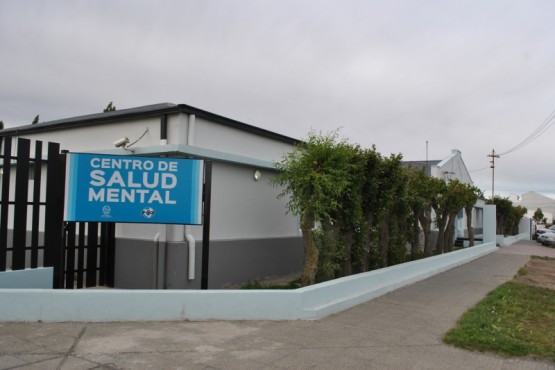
(251, 235)
(450, 168)
(532, 201)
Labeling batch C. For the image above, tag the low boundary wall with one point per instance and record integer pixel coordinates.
(37, 278)
(306, 303)
(504, 241)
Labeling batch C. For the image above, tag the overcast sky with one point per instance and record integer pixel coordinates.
(467, 75)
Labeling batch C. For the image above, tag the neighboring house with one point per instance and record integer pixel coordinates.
(532, 201)
(251, 235)
(450, 168)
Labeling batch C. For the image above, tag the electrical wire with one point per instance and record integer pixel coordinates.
(136, 141)
(545, 125)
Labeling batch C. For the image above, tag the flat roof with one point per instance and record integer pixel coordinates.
(139, 112)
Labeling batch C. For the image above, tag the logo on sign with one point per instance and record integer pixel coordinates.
(148, 212)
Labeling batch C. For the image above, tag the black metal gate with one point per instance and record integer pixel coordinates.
(32, 231)
(90, 254)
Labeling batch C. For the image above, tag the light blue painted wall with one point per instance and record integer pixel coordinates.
(39, 278)
(306, 303)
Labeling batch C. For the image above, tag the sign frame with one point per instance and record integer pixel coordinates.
(134, 189)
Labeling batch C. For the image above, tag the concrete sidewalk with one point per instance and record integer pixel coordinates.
(400, 330)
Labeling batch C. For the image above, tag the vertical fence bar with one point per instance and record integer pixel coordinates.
(81, 256)
(5, 205)
(54, 213)
(107, 254)
(92, 246)
(111, 255)
(103, 254)
(21, 198)
(207, 196)
(70, 255)
(36, 205)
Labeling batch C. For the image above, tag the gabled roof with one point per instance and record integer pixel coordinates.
(427, 165)
(141, 112)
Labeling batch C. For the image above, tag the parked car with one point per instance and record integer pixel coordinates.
(542, 231)
(545, 236)
(548, 239)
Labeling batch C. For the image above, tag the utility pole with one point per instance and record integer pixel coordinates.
(427, 157)
(492, 166)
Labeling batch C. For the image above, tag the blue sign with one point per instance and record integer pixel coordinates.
(106, 188)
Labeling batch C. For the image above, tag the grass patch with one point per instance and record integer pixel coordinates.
(545, 258)
(295, 284)
(515, 319)
(522, 271)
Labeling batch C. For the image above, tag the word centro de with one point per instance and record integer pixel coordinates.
(144, 187)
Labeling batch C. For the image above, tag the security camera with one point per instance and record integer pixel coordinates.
(122, 142)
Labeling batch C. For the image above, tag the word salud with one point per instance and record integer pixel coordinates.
(134, 189)
(134, 186)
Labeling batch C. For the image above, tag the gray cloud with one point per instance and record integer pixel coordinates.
(472, 75)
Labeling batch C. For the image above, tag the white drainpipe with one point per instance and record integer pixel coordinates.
(188, 236)
(191, 243)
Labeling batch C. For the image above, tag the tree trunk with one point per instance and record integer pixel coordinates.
(450, 232)
(415, 246)
(348, 263)
(308, 276)
(500, 225)
(469, 227)
(441, 221)
(384, 242)
(425, 219)
(368, 243)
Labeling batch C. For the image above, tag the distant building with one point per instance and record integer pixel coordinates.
(450, 168)
(532, 201)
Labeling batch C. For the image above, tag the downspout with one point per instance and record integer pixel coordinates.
(156, 241)
(164, 129)
(188, 236)
(161, 279)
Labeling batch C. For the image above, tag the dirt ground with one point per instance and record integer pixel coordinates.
(539, 272)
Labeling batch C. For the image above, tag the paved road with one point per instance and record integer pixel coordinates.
(400, 330)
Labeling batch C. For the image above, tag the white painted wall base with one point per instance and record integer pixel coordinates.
(505, 241)
(306, 303)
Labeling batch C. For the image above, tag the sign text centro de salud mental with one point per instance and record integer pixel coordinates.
(104, 188)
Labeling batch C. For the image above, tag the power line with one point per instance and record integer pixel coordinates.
(479, 169)
(544, 126)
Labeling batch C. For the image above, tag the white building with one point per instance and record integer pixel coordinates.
(450, 168)
(251, 236)
(532, 201)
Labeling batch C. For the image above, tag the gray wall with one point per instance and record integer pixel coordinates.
(141, 264)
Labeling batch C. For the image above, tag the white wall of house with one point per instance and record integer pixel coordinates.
(220, 138)
(97, 138)
(452, 167)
